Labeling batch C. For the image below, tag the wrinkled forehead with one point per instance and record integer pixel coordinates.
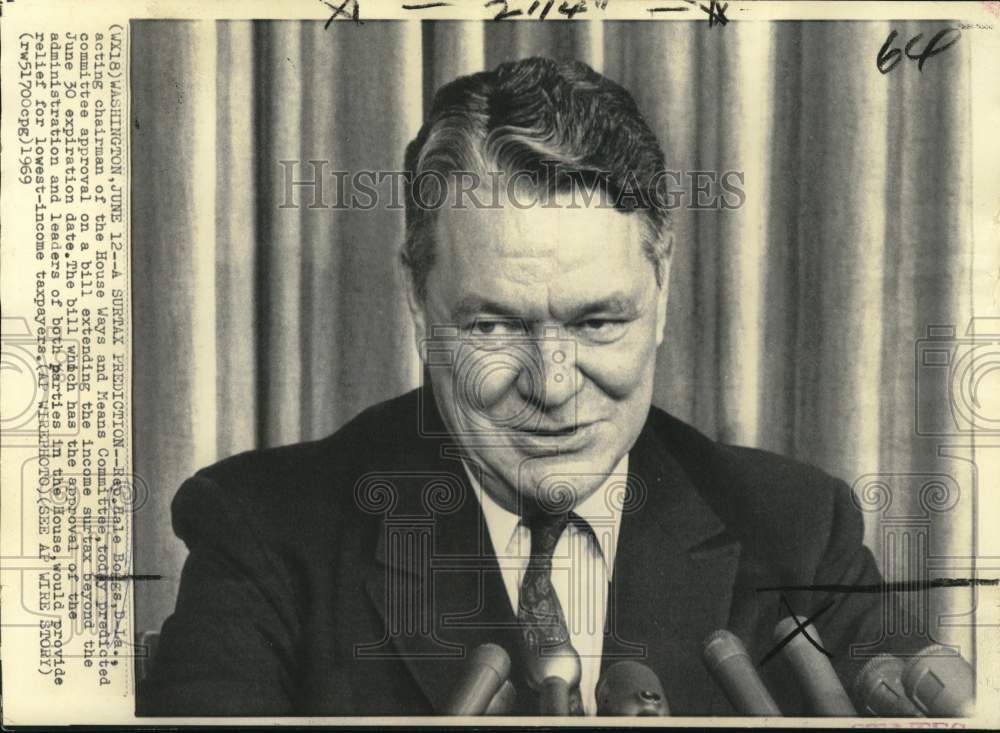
(561, 228)
(565, 249)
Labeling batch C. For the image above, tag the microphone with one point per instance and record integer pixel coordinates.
(729, 663)
(878, 689)
(487, 669)
(820, 683)
(630, 688)
(503, 702)
(553, 675)
(940, 683)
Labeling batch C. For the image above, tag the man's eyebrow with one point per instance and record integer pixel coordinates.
(612, 305)
(471, 305)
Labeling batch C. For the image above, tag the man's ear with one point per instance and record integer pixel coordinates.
(664, 290)
(417, 313)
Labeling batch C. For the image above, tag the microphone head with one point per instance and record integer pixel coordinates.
(493, 656)
(720, 646)
(630, 688)
(559, 662)
(878, 688)
(789, 624)
(940, 683)
(801, 646)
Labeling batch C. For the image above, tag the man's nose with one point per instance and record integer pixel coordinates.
(548, 377)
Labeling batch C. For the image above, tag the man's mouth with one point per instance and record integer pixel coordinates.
(548, 438)
(554, 431)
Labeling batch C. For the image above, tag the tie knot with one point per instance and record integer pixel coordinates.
(545, 531)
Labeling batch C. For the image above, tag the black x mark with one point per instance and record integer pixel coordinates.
(341, 10)
(800, 628)
(716, 13)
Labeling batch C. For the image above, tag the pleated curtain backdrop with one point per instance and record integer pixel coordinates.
(793, 322)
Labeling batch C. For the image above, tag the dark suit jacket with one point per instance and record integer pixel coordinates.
(349, 576)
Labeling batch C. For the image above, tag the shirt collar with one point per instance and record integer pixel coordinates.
(602, 511)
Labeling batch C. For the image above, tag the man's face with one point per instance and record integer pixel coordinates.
(549, 318)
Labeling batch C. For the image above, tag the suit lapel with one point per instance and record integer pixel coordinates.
(673, 578)
(435, 581)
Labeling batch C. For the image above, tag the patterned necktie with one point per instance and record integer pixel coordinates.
(539, 611)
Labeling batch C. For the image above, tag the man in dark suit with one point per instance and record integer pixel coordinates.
(528, 495)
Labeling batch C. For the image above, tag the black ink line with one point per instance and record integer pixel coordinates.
(668, 10)
(570, 11)
(907, 586)
(716, 13)
(425, 6)
(127, 577)
(799, 629)
(506, 12)
(336, 11)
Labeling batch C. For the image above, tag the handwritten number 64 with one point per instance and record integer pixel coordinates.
(888, 57)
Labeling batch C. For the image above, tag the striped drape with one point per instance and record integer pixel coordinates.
(796, 321)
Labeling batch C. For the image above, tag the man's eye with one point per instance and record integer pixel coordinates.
(486, 327)
(601, 329)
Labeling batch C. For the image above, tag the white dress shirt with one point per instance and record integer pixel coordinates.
(581, 566)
